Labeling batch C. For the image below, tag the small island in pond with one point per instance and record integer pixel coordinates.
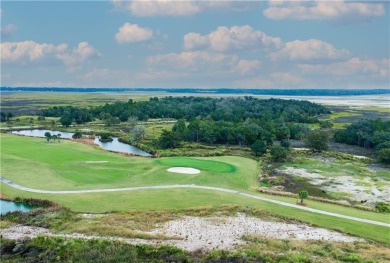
(105, 138)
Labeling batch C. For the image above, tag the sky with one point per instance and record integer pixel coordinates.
(331, 44)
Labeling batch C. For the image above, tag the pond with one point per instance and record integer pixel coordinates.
(114, 146)
(10, 206)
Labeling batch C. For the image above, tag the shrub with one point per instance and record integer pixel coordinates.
(382, 207)
(302, 195)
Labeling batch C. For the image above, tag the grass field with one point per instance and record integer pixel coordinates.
(68, 165)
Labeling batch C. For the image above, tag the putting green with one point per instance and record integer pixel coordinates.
(202, 165)
(34, 163)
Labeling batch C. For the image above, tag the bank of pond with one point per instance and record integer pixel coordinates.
(115, 145)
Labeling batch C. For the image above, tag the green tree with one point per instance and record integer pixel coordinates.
(66, 120)
(278, 153)
(326, 124)
(138, 133)
(317, 141)
(77, 135)
(48, 136)
(302, 195)
(259, 148)
(168, 139)
(180, 128)
(285, 144)
(384, 155)
(59, 137)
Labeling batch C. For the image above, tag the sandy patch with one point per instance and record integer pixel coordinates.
(365, 190)
(205, 233)
(183, 170)
(96, 161)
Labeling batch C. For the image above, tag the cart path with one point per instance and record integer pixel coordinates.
(193, 186)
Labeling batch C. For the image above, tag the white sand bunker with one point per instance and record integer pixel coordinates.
(183, 170)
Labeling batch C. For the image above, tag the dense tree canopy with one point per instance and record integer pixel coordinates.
(238, 121)
(369, 134)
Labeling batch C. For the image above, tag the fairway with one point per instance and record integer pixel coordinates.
(32, 162)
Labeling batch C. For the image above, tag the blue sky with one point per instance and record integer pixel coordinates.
(211, 44)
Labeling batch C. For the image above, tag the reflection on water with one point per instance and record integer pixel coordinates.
(114, 146)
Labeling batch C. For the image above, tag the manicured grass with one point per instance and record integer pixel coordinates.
(34, 163)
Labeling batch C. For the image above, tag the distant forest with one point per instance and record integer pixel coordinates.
(276, 92)
(239, 121)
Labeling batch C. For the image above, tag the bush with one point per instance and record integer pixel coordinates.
(382, 207)
(278, 153)
(77, 135)
(317, 141)
(285, 144)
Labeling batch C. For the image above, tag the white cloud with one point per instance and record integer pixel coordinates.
(131, 33)
(26, 52)
(323, 10)
(311, 49)
(158, 7)
(352, 67)
(151, 8)
(247, 66)
(7, 30)
(83, 52)
(233, 38)
(203, 62)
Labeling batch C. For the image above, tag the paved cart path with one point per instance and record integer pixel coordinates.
(193, 186)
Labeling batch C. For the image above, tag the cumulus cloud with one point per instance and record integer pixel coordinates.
(7, 30)
(227, 39)
(26, 52)
(131, 33)
(83, 52)
(203, 61)
(158, 7)
(352, 67)
(311, 49)
(179, 8)
(323, 10)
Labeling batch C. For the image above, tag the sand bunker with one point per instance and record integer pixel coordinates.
(183, 170)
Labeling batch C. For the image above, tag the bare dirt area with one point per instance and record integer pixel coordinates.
(204, 233)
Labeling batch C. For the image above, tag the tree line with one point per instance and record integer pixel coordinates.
(233, 110)
(367, 133)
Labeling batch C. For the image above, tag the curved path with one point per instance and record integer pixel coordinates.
(193, 186)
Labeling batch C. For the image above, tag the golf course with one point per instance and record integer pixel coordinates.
(71, 166)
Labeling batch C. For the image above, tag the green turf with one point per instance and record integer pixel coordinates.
(68, 166)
